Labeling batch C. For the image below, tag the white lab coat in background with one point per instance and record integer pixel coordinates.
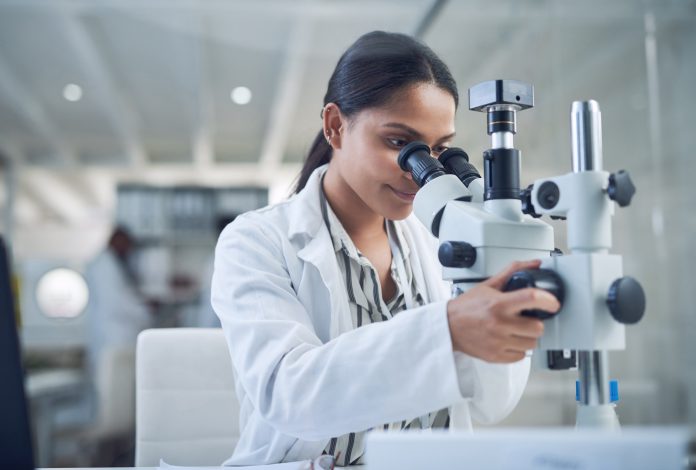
(116, 312)
(303, 374)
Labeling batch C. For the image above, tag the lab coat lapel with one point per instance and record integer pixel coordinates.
(312, 239)
(320, 254)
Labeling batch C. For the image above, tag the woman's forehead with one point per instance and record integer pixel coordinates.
(421, 108)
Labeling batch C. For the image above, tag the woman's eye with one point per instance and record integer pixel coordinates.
(439, 149)
(397, 142)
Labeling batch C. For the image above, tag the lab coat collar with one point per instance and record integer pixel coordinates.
(306, 212)
(311, 238)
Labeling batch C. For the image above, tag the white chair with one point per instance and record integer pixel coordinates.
(187, 411)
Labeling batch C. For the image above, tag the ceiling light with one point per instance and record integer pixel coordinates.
(241, 95)
(72, 92)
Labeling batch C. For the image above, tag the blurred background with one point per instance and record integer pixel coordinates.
(168, 118)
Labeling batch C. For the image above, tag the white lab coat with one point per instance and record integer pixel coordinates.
(303, 374)
(116, 311)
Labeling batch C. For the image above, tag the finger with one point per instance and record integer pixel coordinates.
(508, 356)
(512, 303)
(499, 280)
(525, 327)
(521, 343)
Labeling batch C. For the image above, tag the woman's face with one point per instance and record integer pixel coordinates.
(372, 139)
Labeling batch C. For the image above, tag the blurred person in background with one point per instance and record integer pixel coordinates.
(117, 313)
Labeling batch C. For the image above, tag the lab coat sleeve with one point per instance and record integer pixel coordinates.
(493, 389)
(382, 372)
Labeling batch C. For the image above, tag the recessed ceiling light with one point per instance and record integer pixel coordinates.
(72, 92)
(241, 95)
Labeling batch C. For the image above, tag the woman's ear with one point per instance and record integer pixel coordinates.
(334, 124)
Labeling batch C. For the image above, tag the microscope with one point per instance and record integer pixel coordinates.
(483, 224)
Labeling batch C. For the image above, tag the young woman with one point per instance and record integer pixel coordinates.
(332, 302)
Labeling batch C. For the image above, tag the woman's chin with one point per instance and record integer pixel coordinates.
(399, 213)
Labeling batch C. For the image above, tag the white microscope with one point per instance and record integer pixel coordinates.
(485, 224)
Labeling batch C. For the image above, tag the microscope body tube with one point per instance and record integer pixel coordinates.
(502, 165)
(503, 140)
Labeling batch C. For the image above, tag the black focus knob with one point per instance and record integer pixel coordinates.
(621, 188)
(626, 300)
(541, 279)
(456, 255)
(526, 199)
(548, 195)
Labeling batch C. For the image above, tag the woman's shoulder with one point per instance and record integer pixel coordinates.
(277, 223)
(268, 220)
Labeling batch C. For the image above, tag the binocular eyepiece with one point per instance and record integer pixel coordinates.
(416, 159)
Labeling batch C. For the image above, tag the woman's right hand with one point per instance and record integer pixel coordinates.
(486, 323)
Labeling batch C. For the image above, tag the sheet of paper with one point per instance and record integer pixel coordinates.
(302, 465)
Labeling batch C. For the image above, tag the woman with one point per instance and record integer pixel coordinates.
(332, 302)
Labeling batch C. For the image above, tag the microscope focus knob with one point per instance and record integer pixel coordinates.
(626, 300)
(548, 195)
(456, 254)
(621, 188)
(526, 199)
(545, 279)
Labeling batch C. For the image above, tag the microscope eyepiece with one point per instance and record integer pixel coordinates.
(415, 158)
(456, 162)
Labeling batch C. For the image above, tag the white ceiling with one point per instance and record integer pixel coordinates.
(157, 76)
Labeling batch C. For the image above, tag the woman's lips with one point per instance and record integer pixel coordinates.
(406, 196)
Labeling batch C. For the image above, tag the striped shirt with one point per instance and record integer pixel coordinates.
(367, 306)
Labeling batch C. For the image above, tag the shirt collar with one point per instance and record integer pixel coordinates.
(341, 239)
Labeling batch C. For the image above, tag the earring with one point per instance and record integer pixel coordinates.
(328, 138)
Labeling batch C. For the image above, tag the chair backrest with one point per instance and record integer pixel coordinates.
(187, 411)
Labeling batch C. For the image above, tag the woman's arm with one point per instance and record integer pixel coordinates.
(491, 339)
(378, 373)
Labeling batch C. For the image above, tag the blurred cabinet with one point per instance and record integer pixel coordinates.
(175, 229)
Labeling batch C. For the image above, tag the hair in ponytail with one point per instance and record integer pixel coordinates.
(319, 154)
(368, 74)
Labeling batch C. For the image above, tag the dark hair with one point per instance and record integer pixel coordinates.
(368, 74)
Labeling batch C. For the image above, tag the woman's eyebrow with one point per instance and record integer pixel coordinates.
(413, 132)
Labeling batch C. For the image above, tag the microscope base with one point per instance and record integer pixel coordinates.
(597, 416)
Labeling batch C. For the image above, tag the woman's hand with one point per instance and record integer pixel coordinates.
(486, 323)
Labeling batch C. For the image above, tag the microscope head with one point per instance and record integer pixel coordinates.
(501, 93)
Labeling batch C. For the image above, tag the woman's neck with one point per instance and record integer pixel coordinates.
(358, 220)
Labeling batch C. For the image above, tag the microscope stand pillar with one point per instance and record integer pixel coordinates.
(595, 408)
